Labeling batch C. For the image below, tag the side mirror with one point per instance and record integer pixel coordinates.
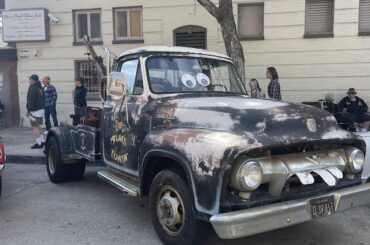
(117, 85)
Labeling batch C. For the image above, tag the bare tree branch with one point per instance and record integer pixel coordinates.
(225, 17)
(211, 8)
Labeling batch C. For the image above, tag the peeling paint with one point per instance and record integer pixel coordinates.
(261, 126)
(331, 119)
(336, 133)
(283, 117)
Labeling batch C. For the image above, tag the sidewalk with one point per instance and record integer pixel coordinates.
(18, 142)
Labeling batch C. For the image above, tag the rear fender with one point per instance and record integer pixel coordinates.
(75, 143)
(63, 137)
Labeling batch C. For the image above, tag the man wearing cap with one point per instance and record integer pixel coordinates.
(35, 109)
(50, 100)
(356, 106)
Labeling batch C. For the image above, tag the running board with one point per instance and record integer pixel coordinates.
(121, 182)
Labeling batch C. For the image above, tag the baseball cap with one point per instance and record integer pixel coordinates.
(34, 77)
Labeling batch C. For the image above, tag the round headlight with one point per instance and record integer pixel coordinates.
(250, 176)
(356, 160)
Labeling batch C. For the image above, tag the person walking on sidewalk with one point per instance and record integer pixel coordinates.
(50, 101)
(79, 100)
(35, 109)
(274, 85)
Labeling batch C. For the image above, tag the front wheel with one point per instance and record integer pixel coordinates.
(172, 211)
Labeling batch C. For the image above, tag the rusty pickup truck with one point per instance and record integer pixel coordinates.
(176, 125)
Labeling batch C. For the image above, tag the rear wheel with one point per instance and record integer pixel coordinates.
(58, 171)
(172, 211)
(77, 170)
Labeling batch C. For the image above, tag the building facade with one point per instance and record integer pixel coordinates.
(9, 102)
(317, 46)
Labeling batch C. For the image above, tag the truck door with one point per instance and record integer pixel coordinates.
(120, 148)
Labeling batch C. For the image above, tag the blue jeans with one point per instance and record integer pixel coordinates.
(80, 111)
(50, 110)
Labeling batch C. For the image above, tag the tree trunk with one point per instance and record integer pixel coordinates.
(225, 17)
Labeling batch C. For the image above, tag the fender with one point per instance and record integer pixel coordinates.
(204, 155)
(175, 156)
(63, 137)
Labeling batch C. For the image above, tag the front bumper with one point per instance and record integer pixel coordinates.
(269, 217)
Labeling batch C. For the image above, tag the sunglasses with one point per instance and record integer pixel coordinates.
(352, 93)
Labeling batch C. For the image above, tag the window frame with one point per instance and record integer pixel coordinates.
(320, 35)
(90, 96)
(252, 37)
(360, 32)
(77, 41)
(129, 38)
(194, 28)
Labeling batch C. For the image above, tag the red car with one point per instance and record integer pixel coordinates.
(2, 160)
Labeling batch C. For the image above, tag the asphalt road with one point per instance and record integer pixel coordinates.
(35, 211)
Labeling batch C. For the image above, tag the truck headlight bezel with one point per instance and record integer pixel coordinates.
(356, 160)
(248, 176)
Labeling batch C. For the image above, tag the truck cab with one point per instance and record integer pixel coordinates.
(178, 126)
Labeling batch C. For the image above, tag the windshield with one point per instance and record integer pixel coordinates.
(192, 74)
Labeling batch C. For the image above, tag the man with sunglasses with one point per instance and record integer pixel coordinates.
(356, 106)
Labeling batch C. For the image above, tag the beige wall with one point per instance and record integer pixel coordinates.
(308, 67)
(311, 67)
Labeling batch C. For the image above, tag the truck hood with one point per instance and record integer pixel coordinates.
(266, 121)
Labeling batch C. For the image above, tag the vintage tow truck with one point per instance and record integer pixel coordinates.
(177, 125)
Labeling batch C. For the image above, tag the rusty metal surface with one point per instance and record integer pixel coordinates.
(207, 133)
(84, 141)
(211, 131)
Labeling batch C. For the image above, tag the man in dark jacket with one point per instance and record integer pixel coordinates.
(357, 107)
(79, 100)
(35, 109)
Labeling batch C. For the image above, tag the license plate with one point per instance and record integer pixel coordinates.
(322, 206)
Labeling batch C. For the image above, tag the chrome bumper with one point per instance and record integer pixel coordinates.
(269, 217)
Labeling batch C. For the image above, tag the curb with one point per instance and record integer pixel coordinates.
(39, 160)
(25, 159)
